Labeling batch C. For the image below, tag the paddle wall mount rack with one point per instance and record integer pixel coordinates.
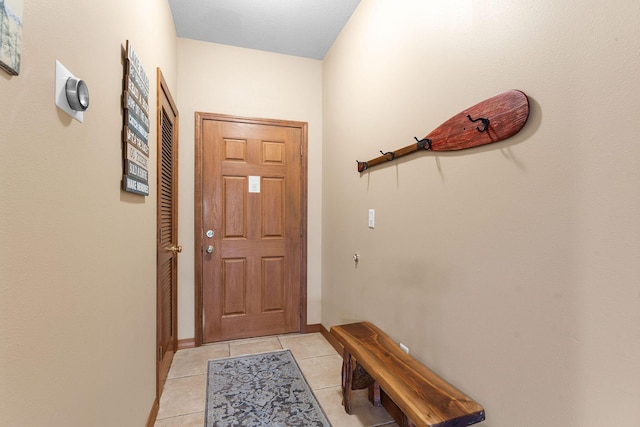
(492, 120)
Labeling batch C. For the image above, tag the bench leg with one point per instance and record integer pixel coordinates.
(354, 377)
(406, 422)
(348, 366)
(374, 394)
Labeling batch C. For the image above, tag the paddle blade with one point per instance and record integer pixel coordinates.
(506, 113)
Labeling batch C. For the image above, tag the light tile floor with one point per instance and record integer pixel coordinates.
(183, 400)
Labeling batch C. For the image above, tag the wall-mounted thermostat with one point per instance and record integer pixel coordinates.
(71, 93)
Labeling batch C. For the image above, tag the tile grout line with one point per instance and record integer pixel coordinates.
(327, 387)
(180, 415)
(187, 376)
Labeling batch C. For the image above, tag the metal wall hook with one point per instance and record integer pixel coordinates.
(485, 123)
(423, 144)
(393, 155)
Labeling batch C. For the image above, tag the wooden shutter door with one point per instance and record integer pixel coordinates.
(167, 235)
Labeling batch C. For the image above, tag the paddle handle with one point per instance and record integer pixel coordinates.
(424, 144)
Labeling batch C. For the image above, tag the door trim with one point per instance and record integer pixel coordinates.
(200, 117)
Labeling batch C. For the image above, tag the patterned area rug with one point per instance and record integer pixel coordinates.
(260, 390)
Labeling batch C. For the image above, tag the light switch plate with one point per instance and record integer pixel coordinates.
(372, 218)
(62, 75)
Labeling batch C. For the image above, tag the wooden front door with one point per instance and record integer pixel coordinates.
(251, 221)
(167, 246)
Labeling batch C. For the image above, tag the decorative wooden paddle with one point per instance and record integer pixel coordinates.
(499, 117)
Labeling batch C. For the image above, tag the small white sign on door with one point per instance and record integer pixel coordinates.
(254, 184)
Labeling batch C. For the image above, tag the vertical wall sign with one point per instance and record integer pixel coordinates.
(136, 126)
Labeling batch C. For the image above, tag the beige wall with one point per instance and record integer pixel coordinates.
(77, 257)
(512, 270)
(223, 79)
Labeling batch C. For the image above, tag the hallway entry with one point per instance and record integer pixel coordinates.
(250, 208)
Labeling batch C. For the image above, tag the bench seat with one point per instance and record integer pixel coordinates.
(373, 360)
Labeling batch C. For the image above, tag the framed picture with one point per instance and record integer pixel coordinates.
(10, 35)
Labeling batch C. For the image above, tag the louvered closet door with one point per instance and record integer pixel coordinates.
(167, 239)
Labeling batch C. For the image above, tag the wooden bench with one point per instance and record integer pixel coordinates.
(372, 360)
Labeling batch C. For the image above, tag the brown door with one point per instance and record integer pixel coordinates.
(252, 188)
(167, 232)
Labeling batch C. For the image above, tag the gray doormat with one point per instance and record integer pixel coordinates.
(265, 389)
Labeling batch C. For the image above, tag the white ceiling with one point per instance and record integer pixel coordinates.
(304, 28)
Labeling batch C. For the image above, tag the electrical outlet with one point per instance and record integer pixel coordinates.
(404, 348)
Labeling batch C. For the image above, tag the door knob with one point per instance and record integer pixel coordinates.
(174, 248)
(210, 249)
